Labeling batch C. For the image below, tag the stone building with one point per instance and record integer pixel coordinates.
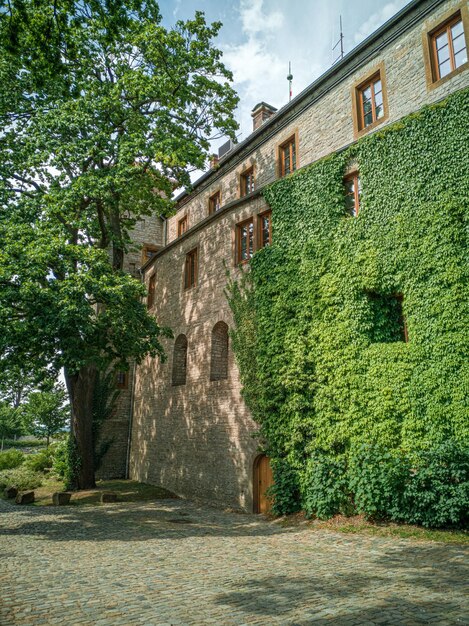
(185, 425)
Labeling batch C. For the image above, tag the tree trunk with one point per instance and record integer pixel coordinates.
(80, 388)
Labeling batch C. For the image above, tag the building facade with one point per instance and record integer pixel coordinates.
(185, 424)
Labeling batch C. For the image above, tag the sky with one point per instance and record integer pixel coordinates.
(260, 37)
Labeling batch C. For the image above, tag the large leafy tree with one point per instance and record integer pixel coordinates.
(46, 413)
(103, 112)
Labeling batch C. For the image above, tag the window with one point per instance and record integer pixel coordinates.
(371, 102)
(179, 372)
(264, 229)
(122, 380)
(151, 291)
(244, 241)
(190, 270)
(247, 182)
(288, 157)
(353, 192)
(448, 47)
(219, 352)
(214, 203)
(148, 252)
(387, 321)
(182, 226)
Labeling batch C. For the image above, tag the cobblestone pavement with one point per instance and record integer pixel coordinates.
(174, 563)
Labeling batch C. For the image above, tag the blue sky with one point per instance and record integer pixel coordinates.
(260, 37)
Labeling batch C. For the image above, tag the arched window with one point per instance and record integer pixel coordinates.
(219, 360)
(180, 360)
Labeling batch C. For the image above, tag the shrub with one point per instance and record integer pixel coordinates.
(41, 460)
(66, 462)
(437, 493)
(324, 486)
(22, 478)
(377, 478)
(285, 491)
(11, 459)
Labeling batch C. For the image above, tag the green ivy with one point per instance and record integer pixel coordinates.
(321, 362)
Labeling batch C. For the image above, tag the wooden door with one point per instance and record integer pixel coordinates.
(263, 479)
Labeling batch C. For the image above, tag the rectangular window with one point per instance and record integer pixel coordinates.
(122, 380)
(353, 192)
(214, 203)
(244, 241)
(371, 102)
(247, 182)
(287, 157)
(182, 226)
(151, 291)
(148, 252)
(448, 45)
(190, 270)
(264, 229)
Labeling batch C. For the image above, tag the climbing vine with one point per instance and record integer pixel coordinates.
(321, 369)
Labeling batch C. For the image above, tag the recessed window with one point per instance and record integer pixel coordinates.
(387, 323)
(219, 352)
(122, 380)
(214, 202)
(182, 226)
(264, 229)
(247, 182)
(148, 252)
(151, 291)
(244, 241)
(190, 270)
(288, 157)
(353, 192)
(179, 372)
(448, 47)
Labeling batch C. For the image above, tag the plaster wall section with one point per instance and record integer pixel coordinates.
(327, 125)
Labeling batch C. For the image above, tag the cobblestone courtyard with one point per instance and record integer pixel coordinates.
(172, 562)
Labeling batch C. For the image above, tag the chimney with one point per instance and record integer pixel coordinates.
(260, 113)
(214, 161)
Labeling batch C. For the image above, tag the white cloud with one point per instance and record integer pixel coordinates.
(377, 19)
(255, 20)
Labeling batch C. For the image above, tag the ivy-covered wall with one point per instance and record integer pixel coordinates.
(321, 367)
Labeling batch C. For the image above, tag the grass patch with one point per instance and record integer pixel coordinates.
(23, 443)
(126, 490)
(360, 526)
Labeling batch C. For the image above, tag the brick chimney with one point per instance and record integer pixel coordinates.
(260, 113)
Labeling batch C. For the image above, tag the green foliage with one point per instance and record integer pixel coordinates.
(324, 486)
(11, 459)
(21, 477)
(42, 460)
(318, 334)
(10, 422)
(66, 462)
(377, 479)
(437, 493)
(46, 413)
(285, 489)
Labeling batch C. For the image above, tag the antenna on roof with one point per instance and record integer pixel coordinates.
(339, 43)
(290, 80)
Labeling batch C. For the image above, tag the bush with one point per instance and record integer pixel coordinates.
(66, 462)
(40, 461)
(324, 486)
(377, 479)
(285, 491)
(22, 478)
(11, 459)
(437, 493)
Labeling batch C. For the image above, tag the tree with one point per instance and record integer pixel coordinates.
(46, 413)
(103, 113)
(10, 424)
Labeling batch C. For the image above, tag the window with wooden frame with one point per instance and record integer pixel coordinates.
(247, 182)
(191, 270)
(122, 380)
(370, 102)
(353, 192)
(264, 229)
(288, 156)
(214, 202)
(448, 47)
(244, 241)
(182, 225)
(148, 252)
(151, 291)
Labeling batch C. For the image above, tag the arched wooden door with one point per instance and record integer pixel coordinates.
(263, 479)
